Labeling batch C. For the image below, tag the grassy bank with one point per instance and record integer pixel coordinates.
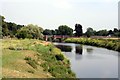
(33, 59)
(105, 43)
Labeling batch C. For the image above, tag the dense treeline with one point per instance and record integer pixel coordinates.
(65, 30)
(90, 32)
(10, 29)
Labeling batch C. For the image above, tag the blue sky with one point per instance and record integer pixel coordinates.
(98, 14)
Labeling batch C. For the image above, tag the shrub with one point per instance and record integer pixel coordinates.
(31, 71)
(59, 57)
(45, 66)
(32, 63)
(27, 58)
(11, 48)
(16, 48)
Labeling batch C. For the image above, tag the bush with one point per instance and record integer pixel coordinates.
(27, 58)
(59, 57)
(31, 71)
(45, 66)
(11, 48)
(16, 48)
(32, 63)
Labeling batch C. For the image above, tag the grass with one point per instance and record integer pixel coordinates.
(33, 59)
(105, 43)
(54, 61)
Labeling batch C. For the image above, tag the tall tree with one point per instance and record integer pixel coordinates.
(0, 26)
(5, 31)
(115, 30)
(65, 30)
(89, 32)
(78, 29)
(110, 32)
(47, 32)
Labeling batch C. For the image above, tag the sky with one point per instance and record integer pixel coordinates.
(50, 14)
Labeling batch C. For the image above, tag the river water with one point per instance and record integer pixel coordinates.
(90, 62)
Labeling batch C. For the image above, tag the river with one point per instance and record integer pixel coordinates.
(90, 62)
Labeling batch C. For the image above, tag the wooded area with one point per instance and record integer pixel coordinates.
(10, 29)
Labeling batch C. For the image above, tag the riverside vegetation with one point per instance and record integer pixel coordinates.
(113, 44)
(31, 58)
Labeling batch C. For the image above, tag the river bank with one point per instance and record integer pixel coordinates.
(31, 58)
(105, 43)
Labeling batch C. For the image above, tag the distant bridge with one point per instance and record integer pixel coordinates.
(54, 37)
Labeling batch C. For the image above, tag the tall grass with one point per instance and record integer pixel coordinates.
(106, 43)
(54, 61)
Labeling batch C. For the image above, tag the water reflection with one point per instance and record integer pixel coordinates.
(64, 48)
(101, 62)
(89, 50)
(79, 50)
(78, 57)
(76, 49)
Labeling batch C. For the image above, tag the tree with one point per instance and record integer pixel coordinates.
(57, 32)
(47, 32)
(53, 32)
(12, 27)
(110, 32)
(89, 32)
(116, 32)
(102, 33)
(30, 31)
(65, 30)
(5, 31)
(78, 29)
(9, 28)
(0, 26)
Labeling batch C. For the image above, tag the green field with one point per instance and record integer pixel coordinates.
(31, 58)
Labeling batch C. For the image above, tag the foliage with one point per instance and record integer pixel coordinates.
(89, 32)
(78, 29)
(16, 48)
(11, 29)
(28, 58)
(59, 57)
(54, 61)
(30, 31)
(5, 30)
(31, 71)
(65, 30)
(102, 33)
(47, 32)
(32, 63)
(62, 30)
